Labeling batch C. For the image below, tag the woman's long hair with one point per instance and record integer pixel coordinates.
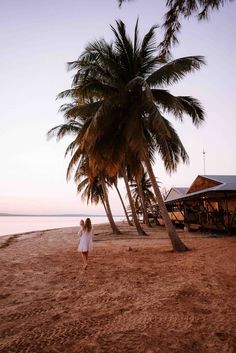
(88, 224)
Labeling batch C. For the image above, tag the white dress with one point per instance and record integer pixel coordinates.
(86, 240)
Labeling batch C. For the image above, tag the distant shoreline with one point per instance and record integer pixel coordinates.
(13, 224)
(54, 215)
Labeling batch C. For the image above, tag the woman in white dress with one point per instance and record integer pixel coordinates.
(86, 240)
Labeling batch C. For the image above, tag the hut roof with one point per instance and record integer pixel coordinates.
(223, 183)
(175, 192)
(226, 179)
(181, 190)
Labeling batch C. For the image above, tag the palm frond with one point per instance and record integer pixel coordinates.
(175, 70)
(179, 9)
(193, 108)
(170, 148)
(179, 105)
(72, 164)
(72, 127)
(81, 111)
(123, 45)
(148, 45)
(71, 93)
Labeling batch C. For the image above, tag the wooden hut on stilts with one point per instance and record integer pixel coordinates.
(209, 203)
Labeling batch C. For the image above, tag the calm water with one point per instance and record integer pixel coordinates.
(21, 224)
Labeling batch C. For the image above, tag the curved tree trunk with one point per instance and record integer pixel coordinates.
(104, 204)
(177, 243)
(145, 214)
(108, 209)
(135, 218)
(126, 214)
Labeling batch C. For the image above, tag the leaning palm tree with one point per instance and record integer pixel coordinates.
(120, 89)
(114, 182)
(135, 173)
(91, 192)
(95, 189)
(95, 183)
(131, 202)
(98, 166)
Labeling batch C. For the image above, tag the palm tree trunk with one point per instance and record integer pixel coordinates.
(154, 212)
(142, 210)
(122, 202)
(177, 243)
(136, 222)
(104, 204)
(145, 214)
(109, 213)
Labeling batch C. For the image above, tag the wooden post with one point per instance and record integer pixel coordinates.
(227, 209)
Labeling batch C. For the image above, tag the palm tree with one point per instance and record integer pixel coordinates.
(139, 201)
(115, 182)
(131, 203)
(109, 213)
(118, 87)
(91, 192)
(178, 9)
(104, 157)
(95, 189)
(143, 195)
(130, 169)
(135, 172)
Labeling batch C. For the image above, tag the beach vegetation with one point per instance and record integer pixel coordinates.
(119, 96)
(144, 198)
(92, 190)
(115, 184)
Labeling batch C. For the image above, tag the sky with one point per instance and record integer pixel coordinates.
(38, 38)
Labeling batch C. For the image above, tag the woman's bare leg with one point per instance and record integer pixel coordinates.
(85, 258)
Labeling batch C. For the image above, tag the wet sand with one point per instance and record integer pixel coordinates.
(135, 296)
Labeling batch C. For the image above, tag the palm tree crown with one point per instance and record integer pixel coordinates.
(118, 96)
(111, 79)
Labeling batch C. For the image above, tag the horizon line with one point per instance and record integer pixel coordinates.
(54, 215)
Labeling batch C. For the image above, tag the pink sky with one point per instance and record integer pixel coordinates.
(38, 38)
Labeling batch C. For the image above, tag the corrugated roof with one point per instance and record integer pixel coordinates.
(221, 178)
(181, 190)
(227, 187)
(228, 184)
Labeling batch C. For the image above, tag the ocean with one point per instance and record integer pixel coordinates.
(22, 224)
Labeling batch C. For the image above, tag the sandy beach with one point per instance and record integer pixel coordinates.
(135, 296)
